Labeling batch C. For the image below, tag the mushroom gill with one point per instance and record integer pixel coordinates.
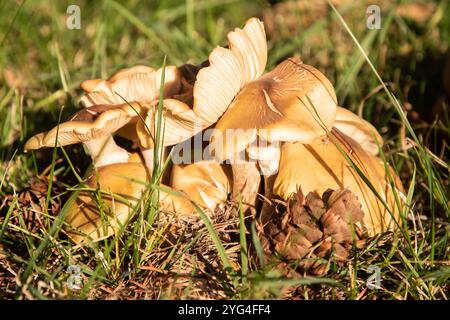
(320, 165)
(111, 105)
(122, 185)
(359, 130)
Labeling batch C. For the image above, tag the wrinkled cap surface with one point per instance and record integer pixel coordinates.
(359, 130)
(135, 84)
(88, 124)
(320, 165)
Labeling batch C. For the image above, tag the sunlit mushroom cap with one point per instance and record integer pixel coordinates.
(119, 183)
(207, 183)
(359, 130)
(230, 69)
(293, 102)
(179, 123)
(320, 165)
(122, 186)
(88, 124)
(135, 84)
(215, 87)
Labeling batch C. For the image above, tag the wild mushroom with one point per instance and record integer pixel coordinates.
(92, 126)
(323, 166)
(135, 84)
(293, 102)
(121, 186)
(207, 183)
(111, 105)
(215, 88)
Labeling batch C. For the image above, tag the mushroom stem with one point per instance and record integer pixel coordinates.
(269, 167)
(105, 151)
(246, 182)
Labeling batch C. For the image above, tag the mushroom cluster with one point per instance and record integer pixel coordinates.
(283, 127)
(312, 228)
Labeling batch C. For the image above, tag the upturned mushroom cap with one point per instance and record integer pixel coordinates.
(86, 221)
(215, 87)
(359, 130)
(89, 219)
(230, 69)
(320, 165)
(293, 102)
(135, 84)
(446, 75)
(206, 182)
(88, 124)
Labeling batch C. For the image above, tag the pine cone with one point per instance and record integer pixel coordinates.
(314, 229)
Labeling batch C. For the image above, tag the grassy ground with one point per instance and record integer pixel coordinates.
(42, 64)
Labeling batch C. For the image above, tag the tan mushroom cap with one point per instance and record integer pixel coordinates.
(320, 165)
(88, 124)
(206, 182)
(293, 102)
(85, 218)
(213, 91)
(135, 84)
(215, 87)
(359, 130)
(117, 182)
(230, 69)
(106, 111)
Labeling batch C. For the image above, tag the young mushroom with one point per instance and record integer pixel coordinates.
(323, 167)
(215, 87)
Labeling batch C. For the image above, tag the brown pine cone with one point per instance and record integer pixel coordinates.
(31, 204)
(315, 229)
